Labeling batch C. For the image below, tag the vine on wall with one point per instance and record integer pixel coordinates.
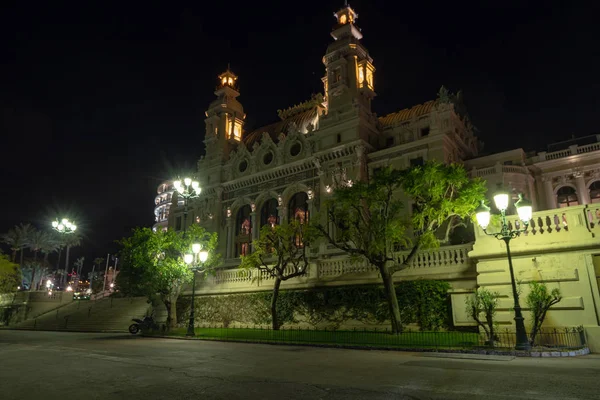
(422, 302)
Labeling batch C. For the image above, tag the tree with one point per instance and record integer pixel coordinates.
(9, 275)
(369, 222)
(152, 264)
(539, 300)
(38, 241)
(98, 261)
(484, 302)
(280, 252)
(17, 238)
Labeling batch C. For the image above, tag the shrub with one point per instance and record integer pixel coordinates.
(484, 302)
(539, 300)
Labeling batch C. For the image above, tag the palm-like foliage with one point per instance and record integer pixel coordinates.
(18, 238)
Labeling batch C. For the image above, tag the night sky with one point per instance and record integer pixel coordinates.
(101, 101)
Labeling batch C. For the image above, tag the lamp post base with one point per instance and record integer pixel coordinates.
(190, 329)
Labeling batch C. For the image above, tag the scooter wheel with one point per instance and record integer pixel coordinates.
(133, 329)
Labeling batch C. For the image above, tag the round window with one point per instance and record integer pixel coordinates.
(295, 149)
(268, 158)
(243, 166)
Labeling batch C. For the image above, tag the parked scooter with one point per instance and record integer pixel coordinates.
(143, 324)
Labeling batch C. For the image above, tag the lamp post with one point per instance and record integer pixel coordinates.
(192, 260)
(525, 211)
(64, 227)
(189, 189)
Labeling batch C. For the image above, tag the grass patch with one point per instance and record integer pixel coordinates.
(340, 338)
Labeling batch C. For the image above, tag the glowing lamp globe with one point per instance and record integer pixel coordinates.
(482, 213)
(73, 227)
(187, 181)
(501, 200)
(188, 258)
(195, 185)
(177, 184)
(203, 256)
(196, 248)
(54, 224)
(524, 209)
(60, 227)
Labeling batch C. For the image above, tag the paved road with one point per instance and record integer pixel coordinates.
(56, 365)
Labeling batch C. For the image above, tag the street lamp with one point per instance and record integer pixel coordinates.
(64, 226)
(194, 260)
(525, 211)
(189, 189)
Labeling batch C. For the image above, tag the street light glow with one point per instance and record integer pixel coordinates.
(501, 200)
(188, 258)
(187, 181)
(482, 214)
(203, 256)
(196, 248)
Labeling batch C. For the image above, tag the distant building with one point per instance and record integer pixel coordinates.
(162, 205)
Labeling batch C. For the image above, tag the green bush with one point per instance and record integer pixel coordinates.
(422, 302)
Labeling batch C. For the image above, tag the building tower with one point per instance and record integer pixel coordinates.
(349, 68)
(224, 121)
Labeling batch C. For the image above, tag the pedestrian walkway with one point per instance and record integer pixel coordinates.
(103, 315)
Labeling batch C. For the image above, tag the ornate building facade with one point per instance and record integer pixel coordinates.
(282, 171)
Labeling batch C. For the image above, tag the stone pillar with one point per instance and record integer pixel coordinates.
(254, 225)
(583, 194)
(549, 193)
(282, 214)
(229, 237)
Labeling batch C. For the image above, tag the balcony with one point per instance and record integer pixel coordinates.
(571, 151)
(450, 263)
(498, 169)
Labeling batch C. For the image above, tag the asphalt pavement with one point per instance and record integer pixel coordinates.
(60, 365)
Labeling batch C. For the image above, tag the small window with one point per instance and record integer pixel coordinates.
(415, 162)
(509, 162)
(268, 158)
(295, 149)
(178, 224)
(243, 166)
(424, 131)
(339, 138)
(389, 142)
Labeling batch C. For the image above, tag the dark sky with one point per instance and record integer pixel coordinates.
(101, 101)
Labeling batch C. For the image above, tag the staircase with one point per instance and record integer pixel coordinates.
(103, 315)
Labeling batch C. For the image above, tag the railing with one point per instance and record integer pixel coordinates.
(547, 340)
(572, 150)
(496, 169)
(443, 257)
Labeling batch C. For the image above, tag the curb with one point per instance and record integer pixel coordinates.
(514, 353)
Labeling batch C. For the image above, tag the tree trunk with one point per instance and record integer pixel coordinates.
(32, 284)
(173, 311)
(58, 261)
(21, 262)
(14, 255)
(392, 299)
(167, 303)
(275, 321)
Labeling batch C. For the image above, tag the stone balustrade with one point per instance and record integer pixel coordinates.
(551, 230)
(497, 169)
(450, 263)
(571, 151)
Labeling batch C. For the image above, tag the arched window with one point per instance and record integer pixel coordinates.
(243, 231)
(268, 213)
(595, 192)
(298, 208)
(566, 196)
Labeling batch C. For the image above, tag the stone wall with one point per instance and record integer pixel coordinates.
(561, 248)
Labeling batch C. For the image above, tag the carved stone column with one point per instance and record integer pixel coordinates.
(282, 214)
(549, 193)
(583, 194)
(254, 224)
(230, 243)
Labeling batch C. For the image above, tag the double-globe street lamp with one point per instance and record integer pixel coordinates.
(195, 261)
(64, 226)
(189, 189)
(525, 212)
